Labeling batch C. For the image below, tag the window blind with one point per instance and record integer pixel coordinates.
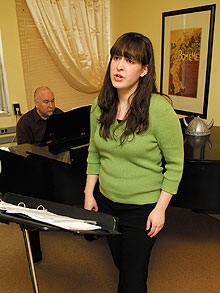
(40, 69)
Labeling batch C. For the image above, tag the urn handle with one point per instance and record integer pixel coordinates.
(184, 121)
(211, 124)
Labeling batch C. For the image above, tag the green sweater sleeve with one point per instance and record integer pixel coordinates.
(166, 127)
(93, 160)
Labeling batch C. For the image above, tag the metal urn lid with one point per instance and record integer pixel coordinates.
(197, 127)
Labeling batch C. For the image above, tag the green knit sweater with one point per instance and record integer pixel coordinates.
(132, 173)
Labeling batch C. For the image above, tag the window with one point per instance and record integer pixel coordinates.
(4, 96)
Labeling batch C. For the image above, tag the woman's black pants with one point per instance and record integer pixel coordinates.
(130, 250)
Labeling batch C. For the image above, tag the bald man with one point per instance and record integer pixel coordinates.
(31, 126)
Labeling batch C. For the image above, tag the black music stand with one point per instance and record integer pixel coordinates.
(108, 223)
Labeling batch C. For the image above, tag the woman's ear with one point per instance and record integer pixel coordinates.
(145, 71)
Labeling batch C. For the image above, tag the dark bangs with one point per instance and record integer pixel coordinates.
(131, 45)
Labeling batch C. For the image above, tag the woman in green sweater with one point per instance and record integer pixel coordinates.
(132, 128)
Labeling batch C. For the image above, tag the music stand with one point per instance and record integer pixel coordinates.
(108, 223)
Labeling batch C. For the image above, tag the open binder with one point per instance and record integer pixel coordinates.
(21, 209)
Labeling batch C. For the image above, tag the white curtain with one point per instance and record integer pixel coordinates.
(77, 35)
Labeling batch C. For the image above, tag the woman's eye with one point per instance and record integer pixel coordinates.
(116, 58)
(131, 61)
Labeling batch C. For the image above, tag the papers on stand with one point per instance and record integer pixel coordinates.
(5, 149)
(50, 218)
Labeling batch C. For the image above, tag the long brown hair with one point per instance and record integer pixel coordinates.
(138, 47)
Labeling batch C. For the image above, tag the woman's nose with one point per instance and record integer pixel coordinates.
(120, 65)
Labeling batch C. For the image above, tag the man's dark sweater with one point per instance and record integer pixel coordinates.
(31, 128)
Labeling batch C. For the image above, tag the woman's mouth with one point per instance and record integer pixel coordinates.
(118, 77)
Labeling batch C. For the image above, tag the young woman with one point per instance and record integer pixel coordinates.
(132, 128)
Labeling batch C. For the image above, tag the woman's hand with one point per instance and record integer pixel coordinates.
(156, 218)
(90, 203)
(155, 222)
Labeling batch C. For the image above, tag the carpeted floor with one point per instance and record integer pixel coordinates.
(185, 259)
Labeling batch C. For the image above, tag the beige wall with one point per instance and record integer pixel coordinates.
(12, 58)
(145, 16)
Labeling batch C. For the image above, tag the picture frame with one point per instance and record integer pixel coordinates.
(186, 54)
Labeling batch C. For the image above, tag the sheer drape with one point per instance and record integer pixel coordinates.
(76, 33)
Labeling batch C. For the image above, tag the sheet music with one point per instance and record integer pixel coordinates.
(78, 107)
(5, 149)
(50, 218)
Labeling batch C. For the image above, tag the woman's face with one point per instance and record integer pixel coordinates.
(125, 73)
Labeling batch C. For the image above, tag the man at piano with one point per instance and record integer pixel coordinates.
(32, 125)
(31, 129)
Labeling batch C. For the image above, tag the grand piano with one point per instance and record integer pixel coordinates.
(55, 171)
(38, 172)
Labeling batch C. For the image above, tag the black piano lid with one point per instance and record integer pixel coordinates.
(68, 129)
